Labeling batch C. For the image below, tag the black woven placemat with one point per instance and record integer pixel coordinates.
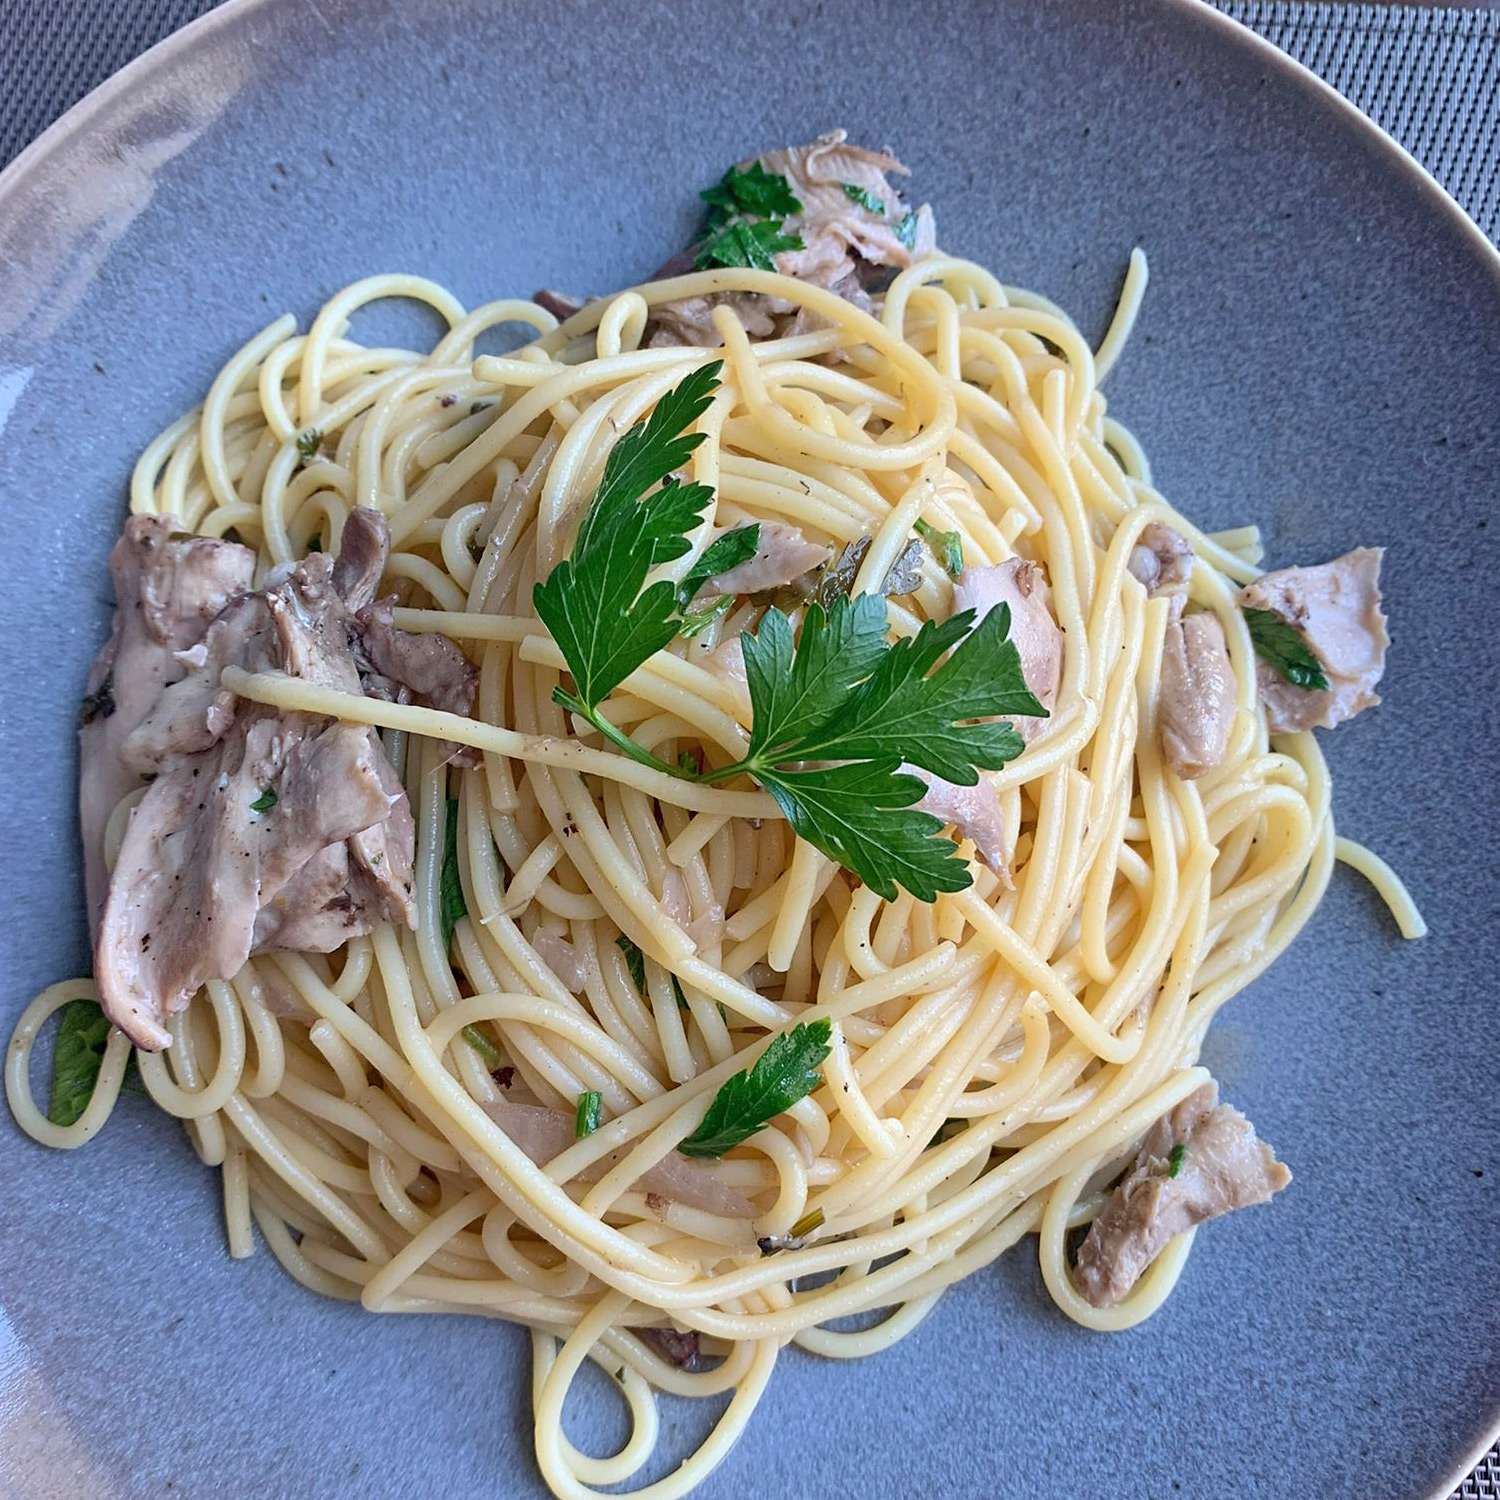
(1430, 77)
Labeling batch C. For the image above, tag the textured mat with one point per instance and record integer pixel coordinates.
(1430, 77)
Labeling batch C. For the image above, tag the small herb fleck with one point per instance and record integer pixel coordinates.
(587, 1120)
(308, 444)
(864, 197)
(1174, 1161)
(947, 546)
(1281, 644)
(265, 802)
(482, 1045)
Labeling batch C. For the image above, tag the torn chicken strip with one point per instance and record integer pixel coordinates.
(690, 320)
(430, 667)
(364, 549)
(974, 811)
(782, 557)
(201, 856)
(244, 800)
(1161, 559)
(855, 230)
(168, 588)
(544, 1133)
(1222, 1165)
(1335, 607)
(559, 304)
(842, 229)
(1039, 641)
(677, 1346)
(1196, 696)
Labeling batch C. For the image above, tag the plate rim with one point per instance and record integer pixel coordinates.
(74, 124)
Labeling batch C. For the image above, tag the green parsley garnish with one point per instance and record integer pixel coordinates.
(1282, 645)
(864, 197)
(482, 1045)
(696, 621)
(906, 231)
(593, 603)
(635, 962)
(731, 238)
(451, 903)
(315, 543)
(947, 546)
(1174, 1161)
(77, 1056)
(841, 694)
(788, 1070)
(587, 1120)
(721, 554)
(265, 802)
(750, 190)
(690, 763)
(743, 243)
(308, 444)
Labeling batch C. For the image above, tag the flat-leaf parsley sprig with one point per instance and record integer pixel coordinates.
(731, 236)
(838, 711)
(596, 606)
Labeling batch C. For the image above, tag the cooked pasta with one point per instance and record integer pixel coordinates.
(994, 1056)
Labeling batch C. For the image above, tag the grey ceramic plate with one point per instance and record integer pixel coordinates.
(1318, 354)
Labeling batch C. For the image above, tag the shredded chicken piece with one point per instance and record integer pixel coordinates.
(1161, 559)
(363, 549)
(168, 588)
(784, 555)
(260, 829)
(1196, 695)
(1039, 641)
(974, 811)
(851, 240)
(839, 231)
(544, 1133)
(559, 304)
(1222, 1165)
(1336, 608)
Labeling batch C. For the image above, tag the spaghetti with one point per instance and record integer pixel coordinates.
(995, 1056)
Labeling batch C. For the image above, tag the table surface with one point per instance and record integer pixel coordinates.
(1428, 75)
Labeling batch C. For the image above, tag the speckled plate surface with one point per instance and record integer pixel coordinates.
(1318, 353)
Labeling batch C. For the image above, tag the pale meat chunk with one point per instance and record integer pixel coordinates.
(1195, 707)
(1335, 607)
(1038, 639)
(202, 854)
(260, 829)
(429, 668)
(853, 237)
(974, 812)
(168, 587)
(838, 229)
(782, 557)
(363, 549)
(544, 1133)
(561, 957)
(1223, 1165)
(1161, 559)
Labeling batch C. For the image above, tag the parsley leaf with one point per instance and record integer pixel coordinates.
(586, 1122)
(266, 801)
(635, 961)
(1174, 1161)
(308, 444)
(691, 762)
(844, 694)
(947, 546)
(696, 621)
(593, 603)
(751, 190)
(906, 231)
(788, 1070)
(77, 1056)
(721, 554)
(1281, 644)
(864, 197)
(451, 903)
(482, 1045)
(741, 243)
